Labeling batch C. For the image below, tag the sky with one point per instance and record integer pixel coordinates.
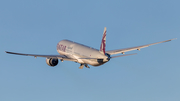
(36, 26)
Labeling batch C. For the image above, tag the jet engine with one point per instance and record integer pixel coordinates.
(52, 61)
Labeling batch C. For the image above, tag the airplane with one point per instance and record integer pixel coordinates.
(85, 55)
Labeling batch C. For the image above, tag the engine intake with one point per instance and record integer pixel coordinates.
(52, 61)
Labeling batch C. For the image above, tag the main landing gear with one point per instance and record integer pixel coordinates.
(82, 65)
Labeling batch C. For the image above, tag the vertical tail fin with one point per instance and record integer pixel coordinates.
(103, 42)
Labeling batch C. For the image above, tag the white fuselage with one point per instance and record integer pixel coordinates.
(78, 51)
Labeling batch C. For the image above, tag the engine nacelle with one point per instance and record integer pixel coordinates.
(52, 61)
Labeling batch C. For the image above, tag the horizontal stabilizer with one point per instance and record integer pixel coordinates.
(123, 55)
(112, 57)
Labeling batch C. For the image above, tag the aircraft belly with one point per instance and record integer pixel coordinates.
(93, 62)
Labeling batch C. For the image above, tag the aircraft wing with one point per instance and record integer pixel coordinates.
(64, 57)
(111, 52)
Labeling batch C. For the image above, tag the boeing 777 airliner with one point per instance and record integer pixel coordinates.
(85, 55)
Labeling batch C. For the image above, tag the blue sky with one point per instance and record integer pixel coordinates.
(36, 26)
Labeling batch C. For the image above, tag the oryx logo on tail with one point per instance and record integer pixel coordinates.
(103, 42)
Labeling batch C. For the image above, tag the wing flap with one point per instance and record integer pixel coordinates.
(46, 56)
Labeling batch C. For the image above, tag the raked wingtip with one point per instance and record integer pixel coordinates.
(174, 39)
